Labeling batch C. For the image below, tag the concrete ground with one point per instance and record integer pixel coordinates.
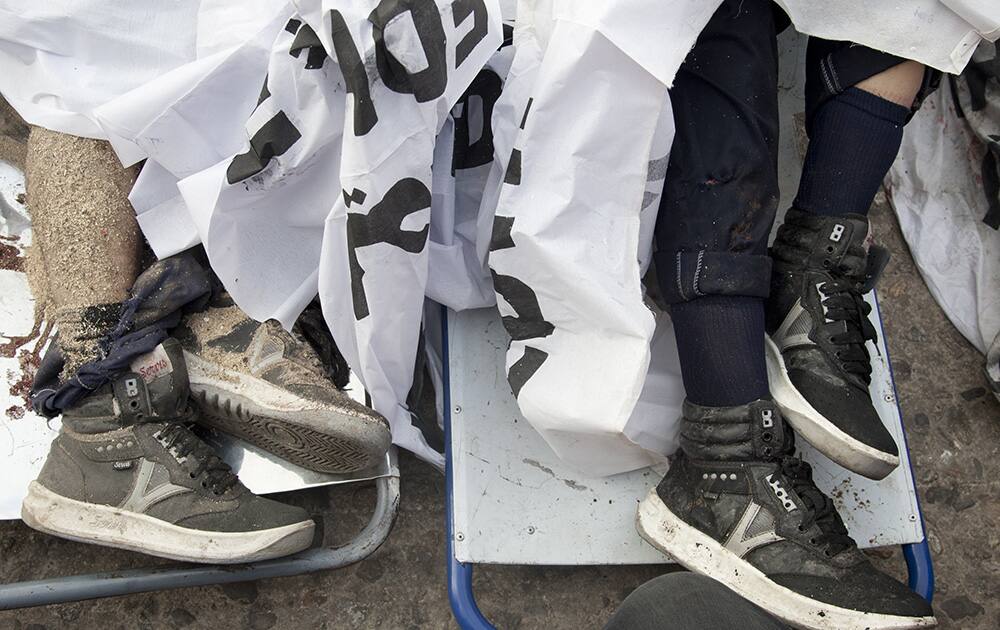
(953, 425)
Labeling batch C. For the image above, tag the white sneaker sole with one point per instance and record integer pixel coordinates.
(57, 515)
(703, 554)
(828, 439)
(319, 437)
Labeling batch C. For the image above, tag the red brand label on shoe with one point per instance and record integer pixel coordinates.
(153, 365)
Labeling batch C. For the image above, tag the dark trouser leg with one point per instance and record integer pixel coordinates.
(719, 202)
(686, 601)
(854, 134)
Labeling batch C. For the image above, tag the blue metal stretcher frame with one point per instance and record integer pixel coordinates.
(460, 593)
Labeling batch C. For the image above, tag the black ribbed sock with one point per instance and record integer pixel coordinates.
(720, 339)
(854, 139)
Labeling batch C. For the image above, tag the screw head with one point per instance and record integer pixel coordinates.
(459, 536)
(458, 408)
(531, 529)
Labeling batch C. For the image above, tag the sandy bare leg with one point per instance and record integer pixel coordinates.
(85, 231)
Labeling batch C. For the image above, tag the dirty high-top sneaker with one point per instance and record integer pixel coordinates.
(126, 472)
(264, 385)
(817, 323)
(736, 506)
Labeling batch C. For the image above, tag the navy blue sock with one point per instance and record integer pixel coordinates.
(720, 339)
(853, 140)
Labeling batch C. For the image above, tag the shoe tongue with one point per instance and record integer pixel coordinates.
(164, 372)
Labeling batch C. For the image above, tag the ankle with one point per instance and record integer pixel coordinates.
(751, 432)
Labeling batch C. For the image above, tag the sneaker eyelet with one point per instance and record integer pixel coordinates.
(766, 436)
(133, 404)
(812, 541)
(826, 263)
(767, 451)
(829, 249)
(800, 528)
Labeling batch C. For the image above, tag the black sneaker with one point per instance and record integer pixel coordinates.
(738, 507)
(817, 322)
(126, 472)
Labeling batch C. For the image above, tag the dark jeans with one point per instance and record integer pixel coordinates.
(721, 189)
(687, 601)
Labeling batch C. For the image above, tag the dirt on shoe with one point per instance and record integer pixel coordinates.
(127, 472)
(818, 328)
(267, 386)
(737, 506)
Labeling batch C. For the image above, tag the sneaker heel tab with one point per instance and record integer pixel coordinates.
(878, 259)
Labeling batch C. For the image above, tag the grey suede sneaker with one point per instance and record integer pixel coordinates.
(126, 472)
(737, 506)
(269, 387)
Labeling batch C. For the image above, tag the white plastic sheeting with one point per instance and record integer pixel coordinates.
(62, 59)
(942, 34)
(581, 158)
(945, 188)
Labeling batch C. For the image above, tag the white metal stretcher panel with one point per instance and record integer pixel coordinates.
(516, 503)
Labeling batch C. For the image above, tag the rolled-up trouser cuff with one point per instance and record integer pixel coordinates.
(685, 276)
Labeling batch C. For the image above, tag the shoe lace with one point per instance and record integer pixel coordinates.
(843, 303)
(819, 508)
(177, 438)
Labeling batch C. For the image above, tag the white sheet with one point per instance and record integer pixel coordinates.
(940, 191)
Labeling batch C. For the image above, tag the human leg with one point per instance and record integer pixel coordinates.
(718, 205)
(736, 504)
(86, 234)
(858, 100)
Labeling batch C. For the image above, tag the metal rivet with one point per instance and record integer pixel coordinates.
(100, 449)
(704, 475)
(459, 536)
(120, 446)
(713, 475)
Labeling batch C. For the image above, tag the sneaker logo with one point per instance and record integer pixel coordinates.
(153, 365)
(780, 492)
(754, 529)
(837, 233)
(147, 492)
(125, 465)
